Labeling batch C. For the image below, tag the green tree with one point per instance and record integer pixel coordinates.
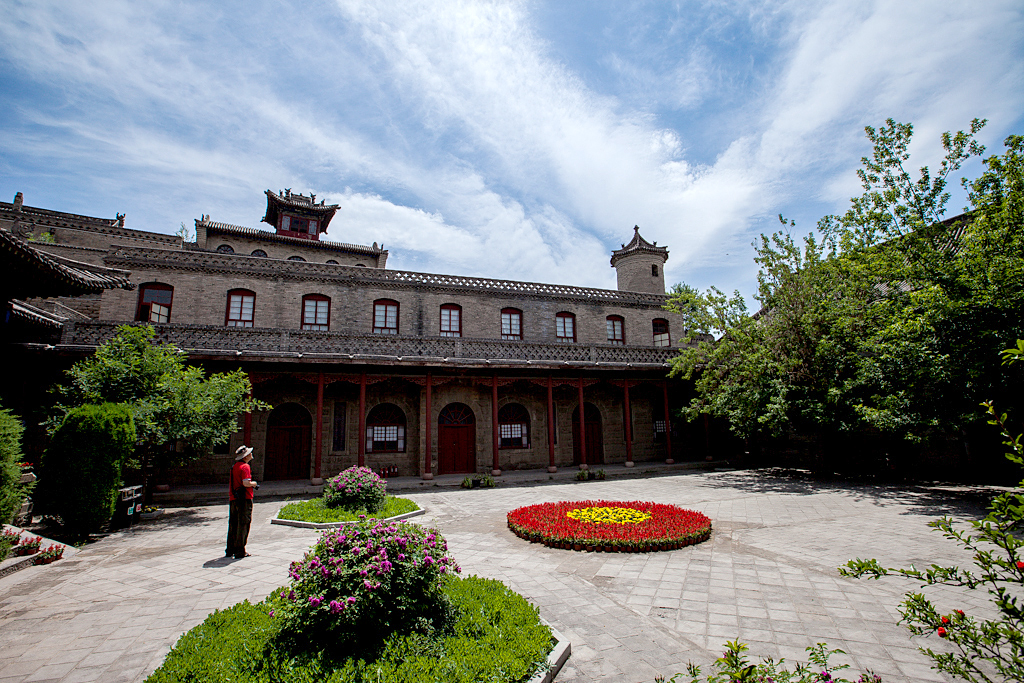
(887, 320)
(81, 468)
(983, 649)
(170, 401)
(12, 491)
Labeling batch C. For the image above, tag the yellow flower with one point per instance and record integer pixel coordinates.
(608, 515)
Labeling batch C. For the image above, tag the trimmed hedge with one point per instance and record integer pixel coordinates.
(82, 466)
(317, 511)
(496, 636)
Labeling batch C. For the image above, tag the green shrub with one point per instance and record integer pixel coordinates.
(361, 583)
(357, 488)
(316, 511)
(82, 466)
(496, 636)
(12, 491)
(733, 666)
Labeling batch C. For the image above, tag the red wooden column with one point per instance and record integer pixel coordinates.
(668, 426)
(428, 468)
(551, 430)
(494, 425)
(629, 425)
(319, 425)
(583, 431)
(247, 430)
(362, 420)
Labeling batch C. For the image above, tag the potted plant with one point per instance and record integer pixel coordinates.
(51, 554)
(28, 546)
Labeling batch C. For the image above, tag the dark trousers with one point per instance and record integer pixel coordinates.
(239, 519)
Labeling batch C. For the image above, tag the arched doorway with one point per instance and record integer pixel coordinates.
(456, 439)
(594, 434)
(288, 443)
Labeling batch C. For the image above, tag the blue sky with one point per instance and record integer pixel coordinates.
(516, 140)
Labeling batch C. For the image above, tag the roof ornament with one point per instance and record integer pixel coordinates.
(18, 201)
(287, 192)
(120, 219)
(312, 197)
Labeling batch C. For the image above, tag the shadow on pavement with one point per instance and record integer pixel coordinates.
(220, 562)
(935, 499)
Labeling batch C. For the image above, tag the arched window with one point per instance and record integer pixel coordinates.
(225, 249)
(511, 324)
(451, 320)
(514, 426)
(565, 327)
(360, 265)
(385, 429)
(258, 252)
(154, 303)
(241, 306)
(385, 316)
(332, 262)
(616, 326)
(316, 312)
(296, 258)
(661, 337)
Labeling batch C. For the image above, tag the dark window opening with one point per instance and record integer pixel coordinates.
(385, 429)
(338, 443)
(258, 252)
(225, 249)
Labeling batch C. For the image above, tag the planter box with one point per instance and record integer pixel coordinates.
(338, 525)
(556, 659)
(28, 477)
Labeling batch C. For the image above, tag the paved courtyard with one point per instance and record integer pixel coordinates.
(768, 577)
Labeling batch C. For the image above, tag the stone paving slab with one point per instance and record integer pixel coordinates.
(767, 576)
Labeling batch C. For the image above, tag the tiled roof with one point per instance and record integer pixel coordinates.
(379, 277)
(36, 315)
(229, 229)
(639, 244)
(27, 271)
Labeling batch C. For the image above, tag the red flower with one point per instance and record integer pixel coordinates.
(945, 620)
(942, 632)
(959, 611)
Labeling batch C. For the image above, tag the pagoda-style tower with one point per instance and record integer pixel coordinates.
(296, 215)
(640, 265)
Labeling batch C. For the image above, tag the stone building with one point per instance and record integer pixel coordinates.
(362, 364)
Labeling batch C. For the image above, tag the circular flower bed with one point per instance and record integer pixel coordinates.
(610, 526)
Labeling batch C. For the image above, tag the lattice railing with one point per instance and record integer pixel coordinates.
(276, 341)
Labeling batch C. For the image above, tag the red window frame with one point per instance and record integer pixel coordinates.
(240, 320)
(144, 309)
(513, 330)
(616, 326)
(383, 315)
(451, 320)
(316, 325)
(560, 321)
(666, 337)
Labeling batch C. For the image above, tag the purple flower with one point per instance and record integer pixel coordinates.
(315, 601)
(351, 600)
(271, 613)
(336, 607)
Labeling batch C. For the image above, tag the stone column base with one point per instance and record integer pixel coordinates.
(629, 463)
(428, 475)
(552, 469)
(495, 473)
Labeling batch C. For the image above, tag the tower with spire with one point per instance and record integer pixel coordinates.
(640, 265)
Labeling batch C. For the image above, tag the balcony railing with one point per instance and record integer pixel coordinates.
(251, 342)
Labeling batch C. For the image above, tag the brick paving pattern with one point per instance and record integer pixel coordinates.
(768, 577)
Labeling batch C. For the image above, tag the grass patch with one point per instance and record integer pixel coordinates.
(495, 636)
(317, 512)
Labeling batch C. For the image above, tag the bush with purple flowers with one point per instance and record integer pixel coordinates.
(363, 582)
(357, 488)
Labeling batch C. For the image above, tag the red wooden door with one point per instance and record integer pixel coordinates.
(594, 434)
(288, 443)
(455, 448)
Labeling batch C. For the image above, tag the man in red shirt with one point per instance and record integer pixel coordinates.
(240, 494)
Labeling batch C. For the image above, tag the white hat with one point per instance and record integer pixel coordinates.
(242, 451)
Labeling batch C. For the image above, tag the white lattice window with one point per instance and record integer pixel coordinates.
(565, 327)
(511, 324)
(451, 321)
(241, 306)
(385, 317)
(316, 313)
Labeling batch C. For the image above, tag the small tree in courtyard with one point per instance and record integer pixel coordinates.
(169, 400)
(984, 649)
(12, 491)
(82, 466)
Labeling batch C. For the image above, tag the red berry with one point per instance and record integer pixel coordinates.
(960, 612)
(942, 632)
(1020, 564)
(945, 620)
